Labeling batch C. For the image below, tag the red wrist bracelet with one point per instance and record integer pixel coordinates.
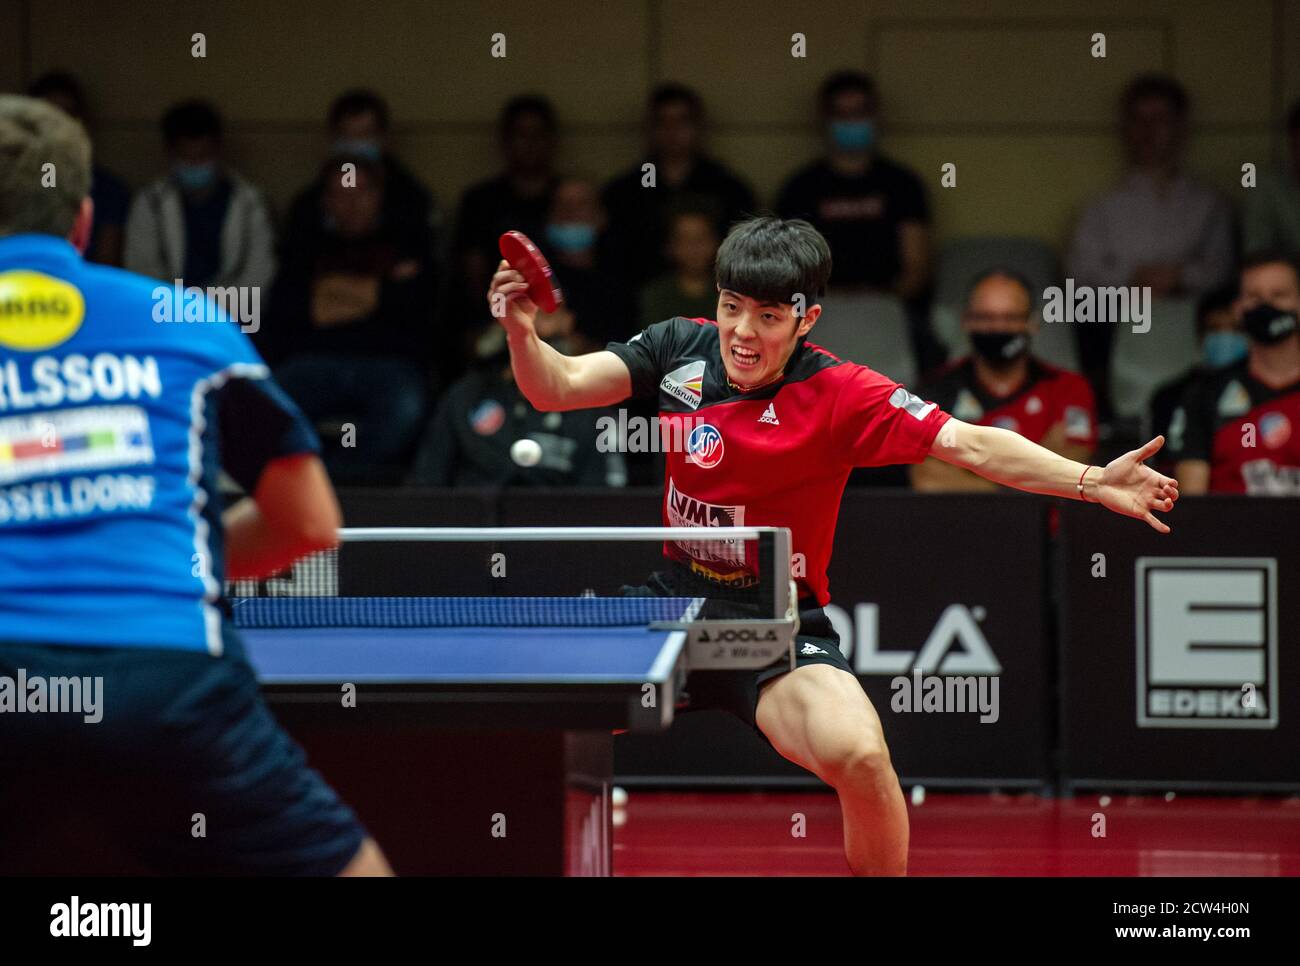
(1079, 485)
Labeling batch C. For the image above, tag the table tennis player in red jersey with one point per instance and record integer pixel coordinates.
(781, 424)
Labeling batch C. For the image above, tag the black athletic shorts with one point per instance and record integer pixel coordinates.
(737, 691)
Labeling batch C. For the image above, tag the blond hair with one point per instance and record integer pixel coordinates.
(44, 167)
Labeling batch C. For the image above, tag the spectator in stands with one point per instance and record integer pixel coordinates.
(1237, 429)
(483, 414)
(108, 192)
(359, 127)
(577, 247)
(872, 211)
(639, 211)
(1271, 213)
(516, 199)
(350, 325)
(1159, 228)
(1003, 384)
(203, 223)
(689, 287)
(1223, 343)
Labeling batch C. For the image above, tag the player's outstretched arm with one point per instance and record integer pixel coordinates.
(1125, 485)
(550, 380)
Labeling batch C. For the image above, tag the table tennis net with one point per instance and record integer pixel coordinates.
(272, 612)
(431, 584)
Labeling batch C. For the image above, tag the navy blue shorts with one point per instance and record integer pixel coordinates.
(186, 772)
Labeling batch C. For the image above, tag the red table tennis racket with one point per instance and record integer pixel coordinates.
(525, 257)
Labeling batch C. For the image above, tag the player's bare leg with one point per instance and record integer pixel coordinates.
(819, 717)
(369, 861)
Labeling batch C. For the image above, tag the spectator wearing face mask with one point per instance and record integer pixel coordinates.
(1237, 429)
(350, 326)
(639, 212)
(1223, 343)
(1001, 383)
(577, 246)
(516, 199)
(360, 128)
(689, 288)
(108, 192)
(483, 414)
(203, 223)
(872, 211)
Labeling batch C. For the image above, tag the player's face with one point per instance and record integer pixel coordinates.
(758, 337)
(1274, 283)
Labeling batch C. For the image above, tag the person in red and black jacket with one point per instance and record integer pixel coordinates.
(1001, 383)
(1238, 428)
(781, 424)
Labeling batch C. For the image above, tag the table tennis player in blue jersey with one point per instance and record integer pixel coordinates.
(132, 732)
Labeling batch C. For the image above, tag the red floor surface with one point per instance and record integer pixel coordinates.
(750, 833)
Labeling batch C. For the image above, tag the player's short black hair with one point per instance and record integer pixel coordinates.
(1000, 271)
(1155, 85)
(846, 80)
(57, 83)
(773, 259)
(191, 119)
(1268, 256)
(673, 93)
(1215, 301)
(523, 105)
(359, 100)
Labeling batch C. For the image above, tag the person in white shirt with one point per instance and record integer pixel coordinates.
(1159, 227)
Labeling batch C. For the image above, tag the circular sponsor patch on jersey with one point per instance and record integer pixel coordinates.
(1274, 429)
(38, 311)
(487, 417)
(704, 446)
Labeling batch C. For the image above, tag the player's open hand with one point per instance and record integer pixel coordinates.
(509, 302)
(1130, 487)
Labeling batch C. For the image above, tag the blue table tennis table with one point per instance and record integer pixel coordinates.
(472, 735)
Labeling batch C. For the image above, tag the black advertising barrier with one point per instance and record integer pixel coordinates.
(1180, 658)
(954, 586)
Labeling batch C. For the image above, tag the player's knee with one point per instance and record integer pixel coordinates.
(863, 764)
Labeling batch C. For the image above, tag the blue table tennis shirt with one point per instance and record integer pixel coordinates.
(116, 416)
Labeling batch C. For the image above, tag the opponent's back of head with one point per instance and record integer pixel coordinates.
(44, 167)
(773, 259)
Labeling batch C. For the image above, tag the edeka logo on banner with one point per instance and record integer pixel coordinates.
(1207, 642)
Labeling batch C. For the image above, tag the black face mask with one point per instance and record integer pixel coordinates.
(1267, 324)
(1001, 350)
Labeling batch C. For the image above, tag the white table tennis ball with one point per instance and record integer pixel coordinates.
(526, 452)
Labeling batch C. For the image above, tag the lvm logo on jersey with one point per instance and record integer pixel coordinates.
(1207, 642)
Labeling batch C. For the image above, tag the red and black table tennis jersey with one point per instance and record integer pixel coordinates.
(777, 456)
(1245, 430)
(1048, 397)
